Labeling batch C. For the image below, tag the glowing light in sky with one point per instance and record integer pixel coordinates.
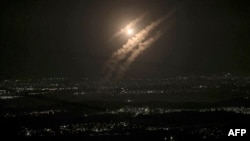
(119, 62)
(129, 25)
(130, 31)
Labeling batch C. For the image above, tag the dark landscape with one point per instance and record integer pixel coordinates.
(203, 108)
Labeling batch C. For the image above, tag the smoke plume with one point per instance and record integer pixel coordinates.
(141, 47)
(119, 62)
(131, 24)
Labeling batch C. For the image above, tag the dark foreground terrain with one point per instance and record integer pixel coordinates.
(177, 108)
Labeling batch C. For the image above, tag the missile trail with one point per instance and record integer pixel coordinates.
(120, 60)
(132, 43)
(131, 24)
(141, 47)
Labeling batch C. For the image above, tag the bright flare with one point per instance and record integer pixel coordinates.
(130, 31)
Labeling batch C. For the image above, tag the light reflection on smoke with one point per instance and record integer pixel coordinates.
(131, 24)
(141, 47)
(131, 44)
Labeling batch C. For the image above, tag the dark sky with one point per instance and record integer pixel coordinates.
(44, 38)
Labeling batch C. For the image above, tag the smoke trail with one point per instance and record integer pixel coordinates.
(118, 57)
(131, 24)
(141, 47)
(133, 42)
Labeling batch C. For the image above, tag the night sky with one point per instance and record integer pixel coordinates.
(73, 38)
